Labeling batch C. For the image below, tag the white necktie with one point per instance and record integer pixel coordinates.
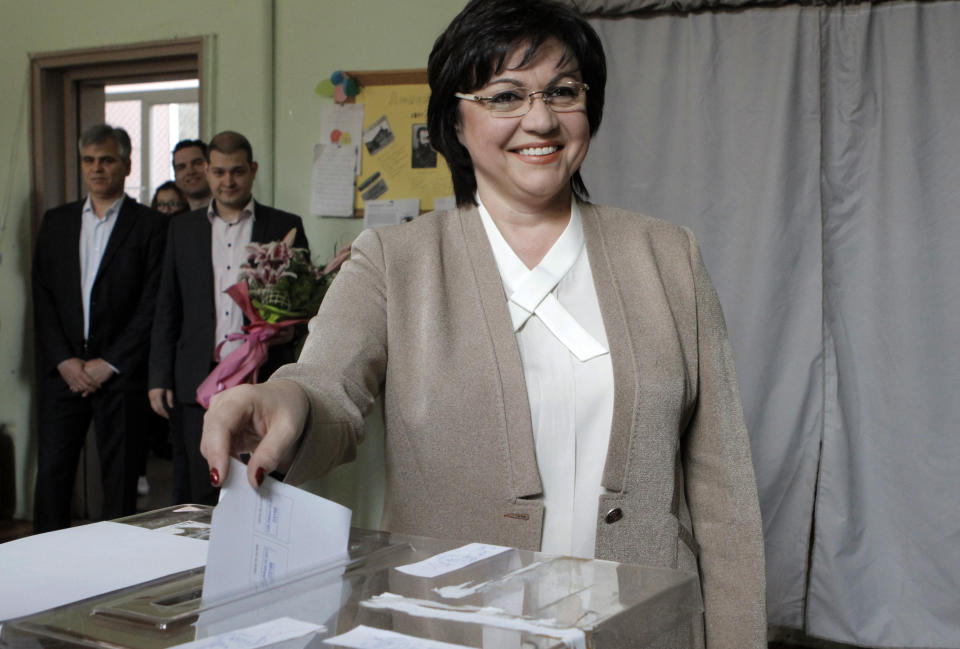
(529, 291)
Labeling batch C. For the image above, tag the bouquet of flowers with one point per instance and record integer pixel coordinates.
(282, 283)
(278, 288)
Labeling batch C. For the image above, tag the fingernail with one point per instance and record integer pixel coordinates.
(214, 477)
(260, 476)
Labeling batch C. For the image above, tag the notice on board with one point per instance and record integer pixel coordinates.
(377, 214)
(397, 161)
(334, 171)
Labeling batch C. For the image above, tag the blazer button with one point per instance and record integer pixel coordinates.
(613, 515)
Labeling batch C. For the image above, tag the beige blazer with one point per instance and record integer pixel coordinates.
(419, 314)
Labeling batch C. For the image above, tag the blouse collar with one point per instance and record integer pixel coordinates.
(530, 290)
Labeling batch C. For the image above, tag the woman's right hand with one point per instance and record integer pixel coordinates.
(265, 420)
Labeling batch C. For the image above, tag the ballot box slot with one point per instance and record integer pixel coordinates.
(176, 601)
(180, 598)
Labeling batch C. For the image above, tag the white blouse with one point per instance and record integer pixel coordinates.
(569, 377)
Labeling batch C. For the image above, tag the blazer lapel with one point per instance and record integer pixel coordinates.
(266, 227)
(261, 221)
(200, 243)
(523, 472)
(621, 349)
(126, 219)
(71, 264)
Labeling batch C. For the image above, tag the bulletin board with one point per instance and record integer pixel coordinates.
(396, 159)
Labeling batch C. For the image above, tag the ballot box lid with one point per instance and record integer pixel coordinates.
(391, 590)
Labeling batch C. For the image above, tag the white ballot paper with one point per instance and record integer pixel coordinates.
(260, 536)
(267, 634)
(451, 560)
(56, 568)
(365, 637)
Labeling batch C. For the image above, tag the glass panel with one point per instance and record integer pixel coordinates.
(169, 123)
(126, 114)
(189, 120)
(172, 113)
(160, 146)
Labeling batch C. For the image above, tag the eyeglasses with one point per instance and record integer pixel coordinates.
(174, 204)
(516, 102)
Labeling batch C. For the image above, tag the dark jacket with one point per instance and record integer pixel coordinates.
(122, 299)
(182, 341)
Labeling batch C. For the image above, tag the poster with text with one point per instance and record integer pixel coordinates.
(397, 161)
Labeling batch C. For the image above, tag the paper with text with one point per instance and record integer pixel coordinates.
(366, 637)
(333, 178)
(451, 560)
(260, 635)
(260, 536)
(342, 123)
(377, 214)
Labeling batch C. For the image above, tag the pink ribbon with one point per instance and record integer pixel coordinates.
(241, 365)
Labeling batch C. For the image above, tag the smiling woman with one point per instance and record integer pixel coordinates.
(523, 163)
(556, 374)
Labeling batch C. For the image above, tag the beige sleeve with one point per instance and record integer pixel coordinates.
(721, 487)
(342, 365)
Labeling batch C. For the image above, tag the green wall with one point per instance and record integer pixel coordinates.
(267, 58)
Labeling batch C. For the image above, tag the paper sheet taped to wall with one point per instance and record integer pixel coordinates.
(332, 183)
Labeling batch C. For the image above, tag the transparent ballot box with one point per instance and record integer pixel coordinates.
(376, 596)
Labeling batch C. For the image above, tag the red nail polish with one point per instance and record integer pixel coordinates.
(214, 477)
(260, 476)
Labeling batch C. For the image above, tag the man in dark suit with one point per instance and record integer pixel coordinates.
(205, 249)
(189, 172)
(96, 269)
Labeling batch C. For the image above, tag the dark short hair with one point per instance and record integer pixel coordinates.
(228, 142)
(187, 144)
(100, 133)
(169, 186)
(476, 45)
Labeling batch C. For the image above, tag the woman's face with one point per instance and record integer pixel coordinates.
(168, 201)
(526, 161)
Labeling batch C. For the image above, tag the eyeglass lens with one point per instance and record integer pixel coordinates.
(518, 101)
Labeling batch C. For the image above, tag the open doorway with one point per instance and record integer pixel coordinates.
(155, 92)
(69, 93)
(156, 115)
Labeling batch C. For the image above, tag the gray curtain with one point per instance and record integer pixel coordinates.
(815, 153)
(619, 8)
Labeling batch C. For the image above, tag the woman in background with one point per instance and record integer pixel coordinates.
(556, 374)
(169, 199)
